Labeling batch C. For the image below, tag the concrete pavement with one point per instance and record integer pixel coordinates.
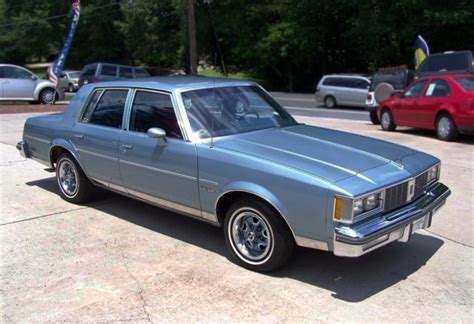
(117, 259)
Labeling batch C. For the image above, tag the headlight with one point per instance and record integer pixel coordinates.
(433, 173)
(346, 209)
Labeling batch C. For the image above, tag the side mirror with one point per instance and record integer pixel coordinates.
(159, 134)
(34, 77)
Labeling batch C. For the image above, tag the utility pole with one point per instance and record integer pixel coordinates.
(192, 38)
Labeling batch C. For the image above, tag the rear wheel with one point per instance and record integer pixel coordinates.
(256, 236)
(73, 184)
(47, 96)
(71, 88)
(330, 102)
(387, 121)
(445, 128)
(374, 118)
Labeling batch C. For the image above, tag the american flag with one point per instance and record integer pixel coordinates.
(56, 68)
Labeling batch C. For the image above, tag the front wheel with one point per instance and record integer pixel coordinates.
(387, 122)
(257, 237)
(330, 102)
(445, 128)
(374, 118)
(47, 96)
(71, 88)
(73, 184)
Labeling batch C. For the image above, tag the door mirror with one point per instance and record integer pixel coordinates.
(159, 134)
(34, 77)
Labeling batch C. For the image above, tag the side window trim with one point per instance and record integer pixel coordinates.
(129, 107)
(433, 81)
(103, 89)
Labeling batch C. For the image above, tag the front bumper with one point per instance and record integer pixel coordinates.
(359, 239)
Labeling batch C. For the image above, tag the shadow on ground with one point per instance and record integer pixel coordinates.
(351, 280)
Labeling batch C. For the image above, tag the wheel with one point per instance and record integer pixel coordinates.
(73, 184)
(374, 118)
(445, 128)
(387, 121)
(257, 237)
(330, 102)
(47, 96)
(71, 88)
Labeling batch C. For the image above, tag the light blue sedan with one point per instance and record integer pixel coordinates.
(225, 152)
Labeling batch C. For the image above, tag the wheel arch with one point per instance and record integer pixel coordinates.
(227, 197)
(60, 146)
(442, 111)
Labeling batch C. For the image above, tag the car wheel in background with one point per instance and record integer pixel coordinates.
(47, 96)
(330, 102)
(374, 118)
(257, 237)
(445, 128)
(71, 88)
(73, 184)
(386, 120)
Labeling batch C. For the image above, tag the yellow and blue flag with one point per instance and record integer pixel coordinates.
(421, 51)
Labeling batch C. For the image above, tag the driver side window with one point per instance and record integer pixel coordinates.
(415, 90)
(11, 72)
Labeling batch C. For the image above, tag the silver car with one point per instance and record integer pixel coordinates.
(20, 84)
(69, 80)
(342, 90)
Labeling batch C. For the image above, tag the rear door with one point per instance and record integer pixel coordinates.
(405, 113)
(18, 83)
(97, 135)
(162, 172)
(358, 91)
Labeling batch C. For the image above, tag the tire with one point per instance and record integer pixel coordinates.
(446, 130)
(257, 236)
(73, 184)
(374, 118)
(47, 96)
(70, 88)
(330, 102)
(386, 121)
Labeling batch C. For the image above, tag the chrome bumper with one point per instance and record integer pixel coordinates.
(359, 239)
(22, 146)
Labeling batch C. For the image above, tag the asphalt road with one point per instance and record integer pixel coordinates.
(116, 259)
(305, 105)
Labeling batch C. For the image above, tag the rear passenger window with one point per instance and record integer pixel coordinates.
(152, 109)
(126, 72)
(109, 108)
(109, 70)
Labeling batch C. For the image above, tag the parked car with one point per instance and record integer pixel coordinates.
(342, 90)
(452, 62)
(98, 72)
(384, 83)
(20, 84)
(225, 152)
(69, 80)
(444, 103)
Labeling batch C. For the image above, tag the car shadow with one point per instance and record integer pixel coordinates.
(351, 280)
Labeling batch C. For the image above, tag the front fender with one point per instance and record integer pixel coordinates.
(40, 87)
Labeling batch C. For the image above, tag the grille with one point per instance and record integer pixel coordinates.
(396, 196)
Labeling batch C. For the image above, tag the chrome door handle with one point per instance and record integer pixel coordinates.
(81, 136)
(127, 146)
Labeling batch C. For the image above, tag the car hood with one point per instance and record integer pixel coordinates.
(329, 154)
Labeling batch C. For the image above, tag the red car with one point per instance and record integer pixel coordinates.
(444, 103)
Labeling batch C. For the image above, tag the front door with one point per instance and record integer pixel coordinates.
(17, 83)
(97, 135)
(164, 172)
(437, 93)
(406, 110)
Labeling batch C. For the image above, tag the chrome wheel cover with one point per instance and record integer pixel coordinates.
(386, 120)
(330, 102)
(47, 96)
(444, 126)
(67, 178)
(251, 236)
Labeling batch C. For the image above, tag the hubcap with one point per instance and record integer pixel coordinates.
(251, 235)
(329, 102)
(48, 96)
(386, 120)
(68, 178)
(444, 127)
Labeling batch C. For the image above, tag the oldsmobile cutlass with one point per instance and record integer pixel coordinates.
(225, 152)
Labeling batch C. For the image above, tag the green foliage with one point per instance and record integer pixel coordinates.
(288, 43)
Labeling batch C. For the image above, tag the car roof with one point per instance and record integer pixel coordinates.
(347, 75)
(445, 76)
(172, 83)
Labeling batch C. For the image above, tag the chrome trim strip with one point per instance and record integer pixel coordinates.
(312, 244)
(210, 216)
(97, 155)
(213, 183)
(158, 170)
(260, 196)
(38, 139)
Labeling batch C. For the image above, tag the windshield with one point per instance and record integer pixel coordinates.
(232, 110)
(74, 75)
(467, 83)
